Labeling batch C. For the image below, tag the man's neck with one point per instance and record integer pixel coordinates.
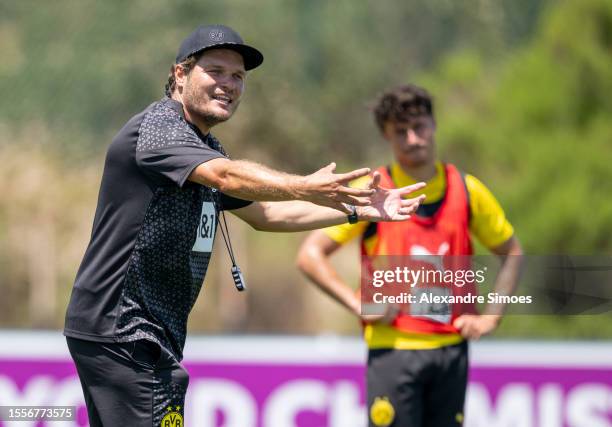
(420, 173)
(191, 118)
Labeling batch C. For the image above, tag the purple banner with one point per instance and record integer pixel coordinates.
(309, 382)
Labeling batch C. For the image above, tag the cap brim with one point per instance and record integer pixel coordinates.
(251, 56)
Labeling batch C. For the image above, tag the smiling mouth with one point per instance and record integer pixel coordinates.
(223, 99)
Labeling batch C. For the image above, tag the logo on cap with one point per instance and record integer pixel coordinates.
(216, 35)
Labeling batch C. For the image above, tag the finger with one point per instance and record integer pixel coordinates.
(411, 188)
(412, 202)
(475, 334)
(330, 168)
(471, 330)
(342, 207)
(399, 217)
(357, 192)
(408, 209)
(415, 202)
(405, 212)
(362, 201)
(356, 201)
(375, 182)
(349, 176)
(459, 322)
(466, 332)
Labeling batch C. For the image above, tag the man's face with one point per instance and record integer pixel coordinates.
(412, 140)
(212, 90)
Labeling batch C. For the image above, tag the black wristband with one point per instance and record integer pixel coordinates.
(352, 217)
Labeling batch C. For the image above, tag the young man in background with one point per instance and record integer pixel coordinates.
(417, 363)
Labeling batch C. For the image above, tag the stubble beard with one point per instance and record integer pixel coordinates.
(418, 161)
(197, 103)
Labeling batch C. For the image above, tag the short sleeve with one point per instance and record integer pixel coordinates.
(488, 221)
(344, 233)
(168, 148)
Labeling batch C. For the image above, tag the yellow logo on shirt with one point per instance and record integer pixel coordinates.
(382, 412)
(172, 418)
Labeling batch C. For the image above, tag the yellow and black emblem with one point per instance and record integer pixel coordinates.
(172, 418)
(382, 412)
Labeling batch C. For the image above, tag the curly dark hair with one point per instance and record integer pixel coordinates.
(401, 103)
(187, 64)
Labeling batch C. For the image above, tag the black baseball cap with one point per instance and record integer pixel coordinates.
(207, 37)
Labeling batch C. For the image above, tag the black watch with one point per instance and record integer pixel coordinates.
(352, 217)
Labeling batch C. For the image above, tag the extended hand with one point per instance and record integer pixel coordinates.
(474, 326)
(389, 204)
(326, 188)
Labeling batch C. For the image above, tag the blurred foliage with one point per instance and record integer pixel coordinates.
(522, 98)
(537, 126)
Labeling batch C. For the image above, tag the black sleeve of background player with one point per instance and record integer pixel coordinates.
(229, 203)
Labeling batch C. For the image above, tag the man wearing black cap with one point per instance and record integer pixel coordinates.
(166, 181)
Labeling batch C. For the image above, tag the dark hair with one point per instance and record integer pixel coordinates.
(402, 103)
(187, 65)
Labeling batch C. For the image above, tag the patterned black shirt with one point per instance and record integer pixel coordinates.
(152, 233)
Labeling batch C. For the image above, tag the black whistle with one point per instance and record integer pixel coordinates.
(238, 279)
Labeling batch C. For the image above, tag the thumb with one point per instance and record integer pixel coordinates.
(459, 322)
(331, 167)
(375, 182)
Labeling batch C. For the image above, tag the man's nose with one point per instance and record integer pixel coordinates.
(411, 136)
(228, 83)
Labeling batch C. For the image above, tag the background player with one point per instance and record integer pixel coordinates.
(417, 366)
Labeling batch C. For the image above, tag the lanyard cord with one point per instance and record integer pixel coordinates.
(236, 273)
(226, 238)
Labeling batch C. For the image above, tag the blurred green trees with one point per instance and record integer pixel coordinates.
(522, 97)
(537, 126)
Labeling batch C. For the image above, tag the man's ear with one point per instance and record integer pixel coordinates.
(386, 131)
(180, 76)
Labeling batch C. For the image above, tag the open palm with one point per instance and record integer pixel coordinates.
(389, 204)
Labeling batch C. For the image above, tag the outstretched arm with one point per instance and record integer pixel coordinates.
(386, 205)
(252, 181)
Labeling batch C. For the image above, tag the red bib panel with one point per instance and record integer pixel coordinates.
(444, 235)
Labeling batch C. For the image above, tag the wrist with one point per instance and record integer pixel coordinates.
(298, 188)
(352, 216)
(494, 319)
(355, 307)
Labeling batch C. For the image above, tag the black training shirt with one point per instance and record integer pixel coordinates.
(152, 233)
